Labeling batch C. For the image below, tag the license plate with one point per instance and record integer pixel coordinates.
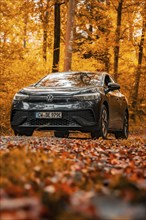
(48, 114)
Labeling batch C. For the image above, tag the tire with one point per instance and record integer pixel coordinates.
(61, 134)
(103, 130)
(124, 133)
(24, 133)
(95, 134)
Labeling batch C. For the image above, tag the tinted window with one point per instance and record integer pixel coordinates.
(79, 79)
(107, 80)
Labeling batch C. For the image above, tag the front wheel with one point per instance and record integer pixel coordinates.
(124, 133)
(24, 133)
(103, 131)
(61, 134)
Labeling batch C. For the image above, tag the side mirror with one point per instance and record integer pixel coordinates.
(112, 87)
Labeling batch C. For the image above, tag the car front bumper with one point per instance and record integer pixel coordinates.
(79, 115)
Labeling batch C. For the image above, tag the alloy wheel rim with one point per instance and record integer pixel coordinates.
(104, 123)
(126, 126)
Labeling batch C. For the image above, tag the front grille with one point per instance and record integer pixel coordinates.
(51, 122)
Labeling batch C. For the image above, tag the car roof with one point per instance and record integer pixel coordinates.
(76, 72)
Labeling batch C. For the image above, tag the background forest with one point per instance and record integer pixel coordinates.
(108, 35)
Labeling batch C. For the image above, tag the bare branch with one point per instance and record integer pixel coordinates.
(123, 32)
(114, 5)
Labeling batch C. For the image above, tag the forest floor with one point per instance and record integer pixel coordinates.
(48, 178)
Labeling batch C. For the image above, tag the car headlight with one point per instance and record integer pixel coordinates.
(20, 97)
(86, 97)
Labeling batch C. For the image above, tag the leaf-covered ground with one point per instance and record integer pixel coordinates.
(47, 178)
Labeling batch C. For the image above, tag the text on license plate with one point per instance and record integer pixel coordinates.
(48, 114)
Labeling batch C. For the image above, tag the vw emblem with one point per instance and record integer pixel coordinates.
(50, 98)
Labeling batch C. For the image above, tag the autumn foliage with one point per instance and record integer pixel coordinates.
(50, 178)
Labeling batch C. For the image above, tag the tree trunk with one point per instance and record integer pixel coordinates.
(25, 30)
(69, 36)
(107, 61)
(138, 72)
(25, 23)
(107, 54)
(117, 39)
(45, 35)
(56, 51)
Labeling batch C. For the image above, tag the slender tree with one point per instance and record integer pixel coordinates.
(44, 16)
(26, 13)
(56, 51)
(45, 34)
(25, 26)
(69, 36)
(117, 38)
(138, 72)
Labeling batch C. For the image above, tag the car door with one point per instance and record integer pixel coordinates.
(115, 106)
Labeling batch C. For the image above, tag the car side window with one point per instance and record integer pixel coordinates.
(107, 80)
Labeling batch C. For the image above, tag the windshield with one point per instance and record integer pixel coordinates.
(79, 80)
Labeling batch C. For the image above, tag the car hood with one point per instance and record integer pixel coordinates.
(32, 90)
